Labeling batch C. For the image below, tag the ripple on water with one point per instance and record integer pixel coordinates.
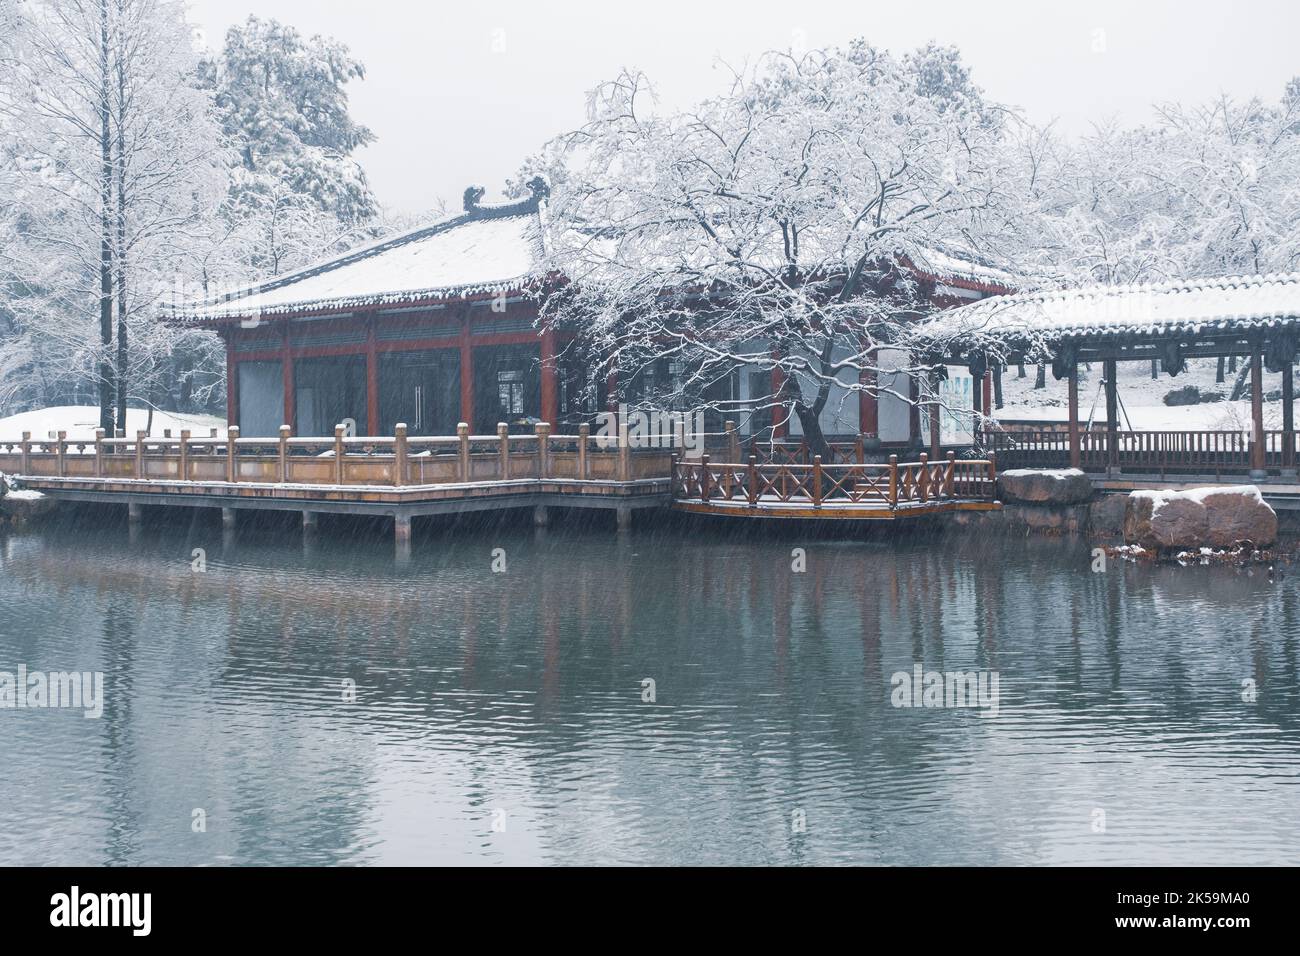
(521, 695)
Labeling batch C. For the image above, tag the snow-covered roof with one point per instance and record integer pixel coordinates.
(1174, 308)
(945, 267)
(487, 249)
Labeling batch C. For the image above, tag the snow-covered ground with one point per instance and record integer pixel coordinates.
(1142, 398)
(80, 422)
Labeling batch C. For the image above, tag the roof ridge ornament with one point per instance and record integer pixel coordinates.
(475, 208)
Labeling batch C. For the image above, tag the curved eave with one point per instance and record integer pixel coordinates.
(958, 281)
(972, 285)
(1191, 328)
(964, 343)
(523, 285)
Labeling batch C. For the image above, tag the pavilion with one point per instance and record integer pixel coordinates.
(440, 326)
(1167, 323)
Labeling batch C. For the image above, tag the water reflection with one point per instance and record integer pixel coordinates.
(519, 694)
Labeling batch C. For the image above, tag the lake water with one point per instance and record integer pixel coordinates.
(499, 717)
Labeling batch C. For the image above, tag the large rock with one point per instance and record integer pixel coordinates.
(1238, 514)
(1051, 519)
(23, 506)
(1199, 517)
(1062, 486)
(1106, 514)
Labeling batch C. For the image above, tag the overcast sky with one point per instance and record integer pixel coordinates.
(458, 93)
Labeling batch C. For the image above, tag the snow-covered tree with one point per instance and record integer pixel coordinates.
(297, 192)
(1230, 178)
(773, 225)
(1207, 190)
(116, 167)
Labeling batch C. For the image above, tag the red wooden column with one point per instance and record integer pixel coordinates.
(550, 380)
(1256, 410)
(466, 372)
(286, 363)
(232, 379)
(1075, 456)
(372, 380)
(1111, 371)
(935, 449)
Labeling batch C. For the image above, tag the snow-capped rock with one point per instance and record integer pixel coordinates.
(1061, 486)
(1199, 517)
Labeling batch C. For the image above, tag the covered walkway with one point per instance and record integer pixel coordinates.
(1166, 323)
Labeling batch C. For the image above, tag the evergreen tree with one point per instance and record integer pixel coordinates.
(297, 191)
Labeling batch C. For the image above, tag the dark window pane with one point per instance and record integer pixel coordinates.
(507, 387)
(261, 399)
(328, 392)
(760, 393)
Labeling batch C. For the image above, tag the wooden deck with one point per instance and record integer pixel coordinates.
(398, 476)
(857, 492)
(405, 477)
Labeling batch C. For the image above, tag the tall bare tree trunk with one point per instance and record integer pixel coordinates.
(106, 232)
(121, 241)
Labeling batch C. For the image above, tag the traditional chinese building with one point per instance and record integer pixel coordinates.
(440, 326)
(1257, 316)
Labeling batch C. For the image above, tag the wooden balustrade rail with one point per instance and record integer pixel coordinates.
(398, 460)
(819, 484)
(1201, 452)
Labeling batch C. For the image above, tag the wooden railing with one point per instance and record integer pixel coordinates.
(396, 461)
(818, 484)
(1148, 452)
